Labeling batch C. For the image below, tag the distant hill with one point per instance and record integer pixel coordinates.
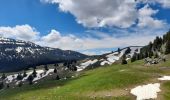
(18, 55)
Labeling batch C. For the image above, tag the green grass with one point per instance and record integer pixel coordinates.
(166, 86)
(101, 79)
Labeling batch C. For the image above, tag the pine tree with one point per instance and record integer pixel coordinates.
(1, 85)
(150, 54)
(118, 50)
(24, 74)
(133, 59)
(30, 79)
(3, 76)
(55, 70)
(46, 67)
(19, 77)
(7, 85)
(20, 84)
(167, 48)
(34, 73)
(57, 77)
(156, 55)
(146, 54)
(124, 59)
(128, 50)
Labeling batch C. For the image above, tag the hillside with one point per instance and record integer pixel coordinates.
(19, 55)
(130, 73)
(113, 82)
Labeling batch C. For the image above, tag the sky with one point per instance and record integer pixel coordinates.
(87, 26)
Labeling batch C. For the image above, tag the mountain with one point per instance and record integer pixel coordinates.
(18, 55)
(109, 58)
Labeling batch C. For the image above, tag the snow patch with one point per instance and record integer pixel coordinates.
(105, 62)
(86, 64)
(164, 78)
(18, 49)
(146, 91)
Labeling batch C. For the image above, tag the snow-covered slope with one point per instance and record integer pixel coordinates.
(109, 58)
(17, 55)
(115, 56)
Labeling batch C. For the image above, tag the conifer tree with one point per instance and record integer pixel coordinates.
(3, 76)
(34, 73)
(1, 85)
(46, 67)
(24, 74)
(118, 50)
(55, 70)
(133, 58)
(124, 59)
(167, 48)
(57, 77)
(30, 79)
(7, 85)
(19, 77)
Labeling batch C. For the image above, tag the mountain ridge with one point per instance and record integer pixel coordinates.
(18, 55)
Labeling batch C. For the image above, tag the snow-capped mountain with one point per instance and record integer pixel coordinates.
(17, 55)
(109, 58)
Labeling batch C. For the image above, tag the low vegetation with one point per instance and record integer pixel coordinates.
(103, 83)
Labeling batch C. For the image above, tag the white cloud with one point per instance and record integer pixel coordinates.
(147, 21)
(112, 13)
(100, 13)
(85, 43)
(23, 32)
(52, 36)
(163, 3)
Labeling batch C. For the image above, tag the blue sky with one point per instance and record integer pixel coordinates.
(91, 27)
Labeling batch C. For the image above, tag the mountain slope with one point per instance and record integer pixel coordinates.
(105, 83)
(109, 58)
(17, 55)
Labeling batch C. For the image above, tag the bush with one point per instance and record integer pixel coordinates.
(7, 85)
(57, 77)
(20, 84)
(124, 62)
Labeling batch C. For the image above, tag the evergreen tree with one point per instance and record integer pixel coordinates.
(167, 48)
(55, 70)
(30, 79)
(118, 50)
(7, 85)
(146, 54)
(133, 58)
(150, 46)
(138, 57)
(3, 76)
(124, 59)
(20, 84)
(34, 73)
(19, 77)
(1, 85)
(128, 50)
(150, 54)
(57, 77)
(24, 74)
(156, 55)
(46, 67)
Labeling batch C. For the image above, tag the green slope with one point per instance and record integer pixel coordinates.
(105, 83)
